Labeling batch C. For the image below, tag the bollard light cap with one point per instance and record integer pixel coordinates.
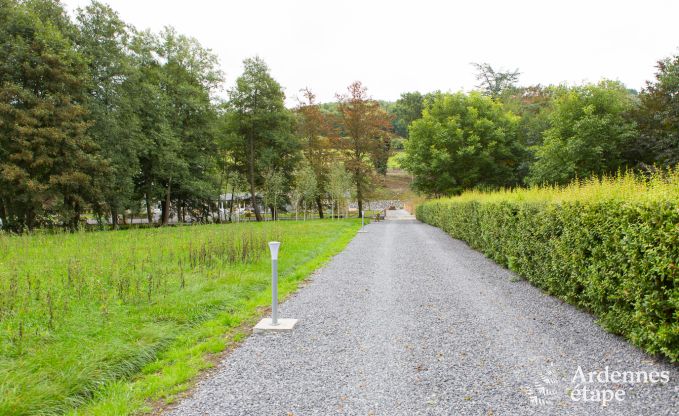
(274, 246)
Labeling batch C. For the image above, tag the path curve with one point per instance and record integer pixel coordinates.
(408, 321)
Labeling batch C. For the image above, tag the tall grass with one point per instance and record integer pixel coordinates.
(80, 310)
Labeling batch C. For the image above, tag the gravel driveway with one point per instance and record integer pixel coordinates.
(408, 321)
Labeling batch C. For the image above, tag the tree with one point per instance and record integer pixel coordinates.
(589, 128)
(274, 188)
(533, 104)
(339, 184)
(365, 128)
(104, 40)
(463, 141)
(190, 75)
(313, 130)
(495, 83)
(261, 125)
(658, 116)
(407, 109)
(48, 162)
(305, 189)
(159, 146)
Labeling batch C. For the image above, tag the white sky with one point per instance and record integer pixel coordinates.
(397, 46)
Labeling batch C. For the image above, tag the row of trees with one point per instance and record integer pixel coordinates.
(98, 116)
(506, 135)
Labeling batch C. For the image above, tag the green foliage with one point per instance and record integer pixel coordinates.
(463, 141)
(364, 138)
(48, 162)
(589, 128)
(609, 246)
(82, 313)
(189, 76)
(260, 125)
(274, 188)
(103, 40)
(495, 83)
(406, 109)
(96, 116)
(658, 116)
(339, 185)
(314, 131)
(305, 189)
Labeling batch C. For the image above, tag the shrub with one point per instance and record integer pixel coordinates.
(610, 246)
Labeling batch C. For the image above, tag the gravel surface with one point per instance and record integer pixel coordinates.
(408, 321)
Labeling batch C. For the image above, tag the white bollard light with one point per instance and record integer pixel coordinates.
(273, 247)
(362, 230)
(274, 323)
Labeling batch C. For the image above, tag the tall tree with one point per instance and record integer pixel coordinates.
(658, 116)
(493, 82)
(314, 131)
(534, 105)
(48, 162)
(159, 146)
(190, 75)
(104, 42)
(463, 141)
(365, 128)
(589, 128)
(407, 109)
(261, 126)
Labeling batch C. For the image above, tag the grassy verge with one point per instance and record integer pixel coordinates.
(117, 322)
(609, 246)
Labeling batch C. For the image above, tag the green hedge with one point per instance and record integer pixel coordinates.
(617, 259)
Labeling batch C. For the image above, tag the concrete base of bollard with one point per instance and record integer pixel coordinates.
(284, 325)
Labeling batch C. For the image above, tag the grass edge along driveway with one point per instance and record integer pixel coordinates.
(173, 365)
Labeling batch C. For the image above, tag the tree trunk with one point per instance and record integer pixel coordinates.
(251, 174)
(3, 214)
(359, 198)
(30, 219)
(233, 199)
(149, 216)
(166, 205)
(114, 218)
(319, 204)
(76, 216)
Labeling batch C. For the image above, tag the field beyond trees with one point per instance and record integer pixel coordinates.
(82, 312)
(610, 246)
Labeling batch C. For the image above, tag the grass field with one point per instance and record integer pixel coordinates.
(114, 322)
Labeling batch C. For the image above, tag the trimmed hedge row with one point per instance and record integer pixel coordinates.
(616, 259)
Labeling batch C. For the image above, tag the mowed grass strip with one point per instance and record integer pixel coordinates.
(109, 322)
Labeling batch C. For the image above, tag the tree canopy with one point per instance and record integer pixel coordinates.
(463, 141)
(588, 130)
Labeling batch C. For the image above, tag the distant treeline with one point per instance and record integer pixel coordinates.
(99, 117)
(504, 135)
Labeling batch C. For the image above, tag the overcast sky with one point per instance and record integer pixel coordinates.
(397, 46)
